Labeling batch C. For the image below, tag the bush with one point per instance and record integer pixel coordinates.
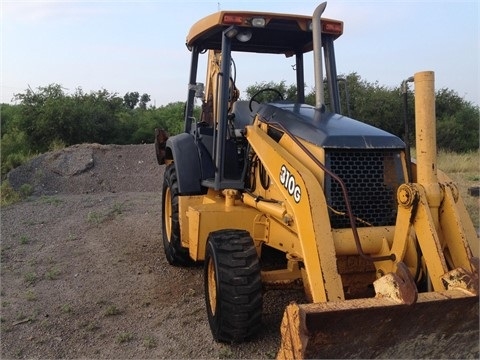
(15, 150)
(48, 118)
(25, 191)
(8, 195)
(459, 132)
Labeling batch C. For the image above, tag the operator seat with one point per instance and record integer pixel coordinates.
(243, 115)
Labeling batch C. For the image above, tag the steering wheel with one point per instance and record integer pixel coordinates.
(261, 91)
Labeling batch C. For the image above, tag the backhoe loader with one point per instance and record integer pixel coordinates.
(383, 246)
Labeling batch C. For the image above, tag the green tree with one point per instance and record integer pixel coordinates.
(459, 132)
(10, 117)
(448, 103)
(144, 99)
(50, 115)
(40, 115)
(15, 150)
(173, 116)
(14, 147)
(287, 92)
(373, 104)
(131, 99)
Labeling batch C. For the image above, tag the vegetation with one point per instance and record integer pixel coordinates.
(9, 195)
(150, 342)
(124, 337)
(98, 218)
(52, 273)
(112, 310)
(463, 169)
(49, 118)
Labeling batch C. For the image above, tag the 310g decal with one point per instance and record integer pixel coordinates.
(288, 181)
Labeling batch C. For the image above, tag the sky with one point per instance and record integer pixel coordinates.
(126, 46)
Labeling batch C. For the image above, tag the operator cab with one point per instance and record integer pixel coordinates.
(221, 35)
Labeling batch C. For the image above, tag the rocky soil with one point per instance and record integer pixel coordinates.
(83, 273)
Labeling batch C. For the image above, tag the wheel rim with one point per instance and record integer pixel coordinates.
(212, 287)
(167, 214)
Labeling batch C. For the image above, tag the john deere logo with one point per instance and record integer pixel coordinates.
(288, 181)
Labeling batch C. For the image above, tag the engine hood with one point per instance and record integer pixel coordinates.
(327, 129)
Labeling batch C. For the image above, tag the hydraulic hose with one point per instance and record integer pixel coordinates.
(406, 137)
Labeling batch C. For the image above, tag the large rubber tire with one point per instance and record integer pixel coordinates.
(175, 253)
(233, 286)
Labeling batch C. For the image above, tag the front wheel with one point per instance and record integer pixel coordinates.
(174, 252)
(233, 286)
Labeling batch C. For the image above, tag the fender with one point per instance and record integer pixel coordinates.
(183, 151)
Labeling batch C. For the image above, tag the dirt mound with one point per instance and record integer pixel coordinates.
(91, 168)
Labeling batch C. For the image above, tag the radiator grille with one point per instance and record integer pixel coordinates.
(371, 178)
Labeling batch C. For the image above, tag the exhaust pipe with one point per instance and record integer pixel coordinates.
(317, 54)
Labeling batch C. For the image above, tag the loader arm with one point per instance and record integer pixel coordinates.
(210, 104)
(448, 240)
(428, 207)
(398, 319)
(304, 195)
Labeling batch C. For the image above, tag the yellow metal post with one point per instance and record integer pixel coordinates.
(426, 139)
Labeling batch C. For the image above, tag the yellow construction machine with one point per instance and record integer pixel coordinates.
(383, 246)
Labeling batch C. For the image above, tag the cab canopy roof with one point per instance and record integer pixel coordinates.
(270, 32)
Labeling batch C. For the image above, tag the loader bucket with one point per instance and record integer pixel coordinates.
(438, 325)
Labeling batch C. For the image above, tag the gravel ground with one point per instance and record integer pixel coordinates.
(83, 273)
(84, 276)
